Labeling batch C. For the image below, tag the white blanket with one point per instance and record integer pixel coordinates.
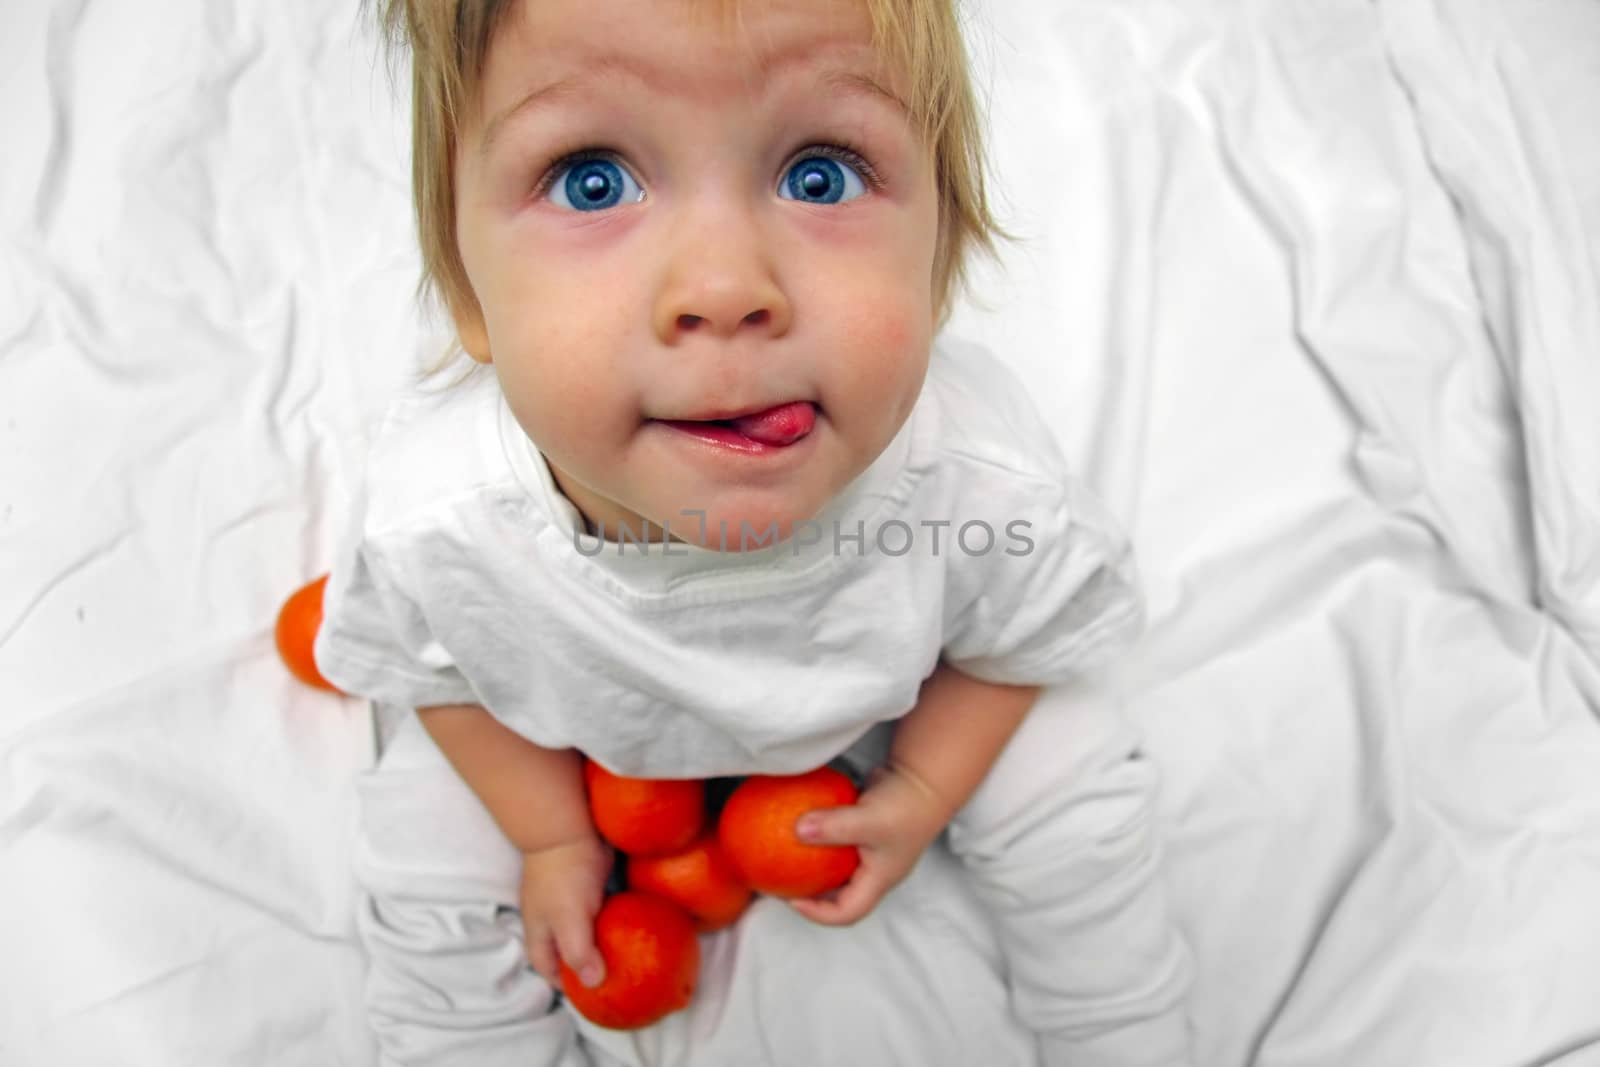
(1309, 288)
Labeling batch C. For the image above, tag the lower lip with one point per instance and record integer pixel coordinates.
(729, 438)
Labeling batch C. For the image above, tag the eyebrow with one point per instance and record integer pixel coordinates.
(856, 83)
(848, 81)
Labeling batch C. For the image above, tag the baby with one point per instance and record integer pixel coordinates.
(720, 508)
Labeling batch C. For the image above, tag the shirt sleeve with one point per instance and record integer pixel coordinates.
(374, 640)
(1055, 596)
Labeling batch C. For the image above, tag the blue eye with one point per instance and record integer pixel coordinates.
(821, 180)
(593, 185)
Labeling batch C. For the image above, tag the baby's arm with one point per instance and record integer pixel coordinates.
(943, 748)
(536, 796)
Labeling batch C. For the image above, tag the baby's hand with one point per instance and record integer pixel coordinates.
(896, 817)
(562, 888)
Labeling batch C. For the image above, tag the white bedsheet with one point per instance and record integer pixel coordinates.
(1310, 289)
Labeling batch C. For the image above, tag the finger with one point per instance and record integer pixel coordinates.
(541, 950)
(848, 904)
(833, 912)
(834, 826)
(574, 936)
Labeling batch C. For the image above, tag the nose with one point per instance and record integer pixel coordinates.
(720, 280)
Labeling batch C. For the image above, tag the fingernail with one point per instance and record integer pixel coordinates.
(590, 975)
(808, 828)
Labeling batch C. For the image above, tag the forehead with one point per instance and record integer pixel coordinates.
(550, 48)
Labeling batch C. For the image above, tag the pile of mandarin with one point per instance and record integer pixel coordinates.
(690, 868)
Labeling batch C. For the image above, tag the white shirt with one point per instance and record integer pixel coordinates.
(466, 577)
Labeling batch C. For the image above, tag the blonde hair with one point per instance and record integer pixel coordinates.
(449, 44)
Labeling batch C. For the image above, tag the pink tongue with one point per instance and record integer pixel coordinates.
(781, 425)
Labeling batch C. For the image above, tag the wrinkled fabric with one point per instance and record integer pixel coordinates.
(1307, 291)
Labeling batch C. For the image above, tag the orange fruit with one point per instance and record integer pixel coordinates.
(758, 835)
(699, 879)
(652, 961)
(298, 622)
(645, 816)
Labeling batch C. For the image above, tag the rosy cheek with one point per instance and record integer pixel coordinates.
(894, 332)
(888, 354)
(897, 329)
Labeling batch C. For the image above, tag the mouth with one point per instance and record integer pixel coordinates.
(764, 430)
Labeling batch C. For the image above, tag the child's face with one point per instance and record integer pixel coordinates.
(713, 251)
